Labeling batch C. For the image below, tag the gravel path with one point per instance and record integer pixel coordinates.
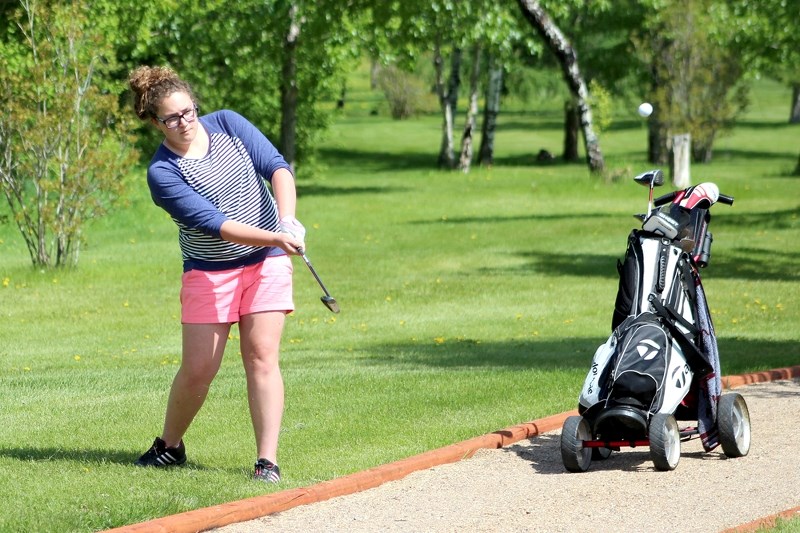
(524, 487)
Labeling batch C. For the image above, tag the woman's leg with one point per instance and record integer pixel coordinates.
(260, 343)
(203, 346)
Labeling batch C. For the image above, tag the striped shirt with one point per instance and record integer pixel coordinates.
(228, 183)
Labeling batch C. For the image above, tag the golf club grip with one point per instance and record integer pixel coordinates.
(725, 199)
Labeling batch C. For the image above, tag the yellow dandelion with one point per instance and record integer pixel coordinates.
(388, 298)
(315, 226)
(126, 304)
(402, 322)
(439, 340)
(77, 357)
(6, 281)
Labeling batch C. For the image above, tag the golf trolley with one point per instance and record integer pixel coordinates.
(660, 364)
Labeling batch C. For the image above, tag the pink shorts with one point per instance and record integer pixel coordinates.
(223, 296)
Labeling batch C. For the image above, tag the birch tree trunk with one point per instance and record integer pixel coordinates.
(568, 59)
(448, 98)
(469, 124)
(490, 112)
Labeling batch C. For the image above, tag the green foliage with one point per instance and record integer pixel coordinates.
(234, 54)
(697, 74)
(601, 102)
(402, 90)
(64, 143)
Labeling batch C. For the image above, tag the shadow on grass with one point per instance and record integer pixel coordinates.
(91, 456)
(741, 263)
(465, 353)
(86, 455)
(379, 160)
(779, 220)
(324, 190)
(756, 264)
(426, 161)
(737, 355)
(560, 264)
(494, 219)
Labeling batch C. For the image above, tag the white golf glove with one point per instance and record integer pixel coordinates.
(293, 227)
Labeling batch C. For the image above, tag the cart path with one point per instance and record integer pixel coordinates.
(524, 487)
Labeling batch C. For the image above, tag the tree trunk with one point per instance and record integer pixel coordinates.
(568, 59)
(448, 98)
(572, 125)
(490, 111)
(658, 142)
(680, 164)
(288, 142)
(374, 69)
(794, 116)
(469, 124)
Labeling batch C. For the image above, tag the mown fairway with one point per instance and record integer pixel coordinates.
(469, 303)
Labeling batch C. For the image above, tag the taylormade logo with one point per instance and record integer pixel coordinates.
(647, 349)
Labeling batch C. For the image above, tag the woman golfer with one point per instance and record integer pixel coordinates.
(209, 174)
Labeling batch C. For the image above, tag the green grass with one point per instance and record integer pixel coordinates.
(469, 303)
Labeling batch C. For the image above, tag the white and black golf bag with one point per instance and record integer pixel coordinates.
(661, 356)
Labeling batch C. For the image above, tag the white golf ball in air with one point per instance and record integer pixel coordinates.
(645, 109)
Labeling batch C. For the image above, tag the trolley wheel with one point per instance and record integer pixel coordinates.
(733, 421)
(601, 454)
(665, 441)
(576, 457)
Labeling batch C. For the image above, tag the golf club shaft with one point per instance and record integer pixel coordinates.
(314, 272)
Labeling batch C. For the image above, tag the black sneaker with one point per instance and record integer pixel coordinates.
(267, 471)
(159, 455)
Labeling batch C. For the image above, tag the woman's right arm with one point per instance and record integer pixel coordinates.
(241, 233)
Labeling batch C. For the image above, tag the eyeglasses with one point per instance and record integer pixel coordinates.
(174, 121)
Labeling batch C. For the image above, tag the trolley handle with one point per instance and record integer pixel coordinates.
(725, 199)
(669, 197)
(666, 199)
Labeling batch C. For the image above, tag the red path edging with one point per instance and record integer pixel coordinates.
(259, 506)
(765, 522)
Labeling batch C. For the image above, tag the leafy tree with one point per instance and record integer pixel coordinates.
(64, 142)
(766, 31)
(698, 76)
(567, 58)
(274, 61)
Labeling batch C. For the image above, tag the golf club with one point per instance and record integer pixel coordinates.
(651, 179)
(328, 300)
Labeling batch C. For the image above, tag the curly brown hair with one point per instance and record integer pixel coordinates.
(150, 85)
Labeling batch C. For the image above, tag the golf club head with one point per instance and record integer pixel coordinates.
(651, 178)
(330, 303)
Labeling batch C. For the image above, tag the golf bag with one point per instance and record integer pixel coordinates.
(661, 356)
